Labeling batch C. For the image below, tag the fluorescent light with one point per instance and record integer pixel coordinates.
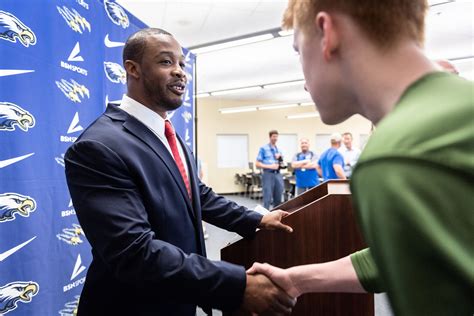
(243, 41)
(203, 95)
(461, 59)
(306, 103)
(284, 84)
(238, 109)
(303, 115)
(238, 90)
(438, 2)
(286, 33)
(277, 106)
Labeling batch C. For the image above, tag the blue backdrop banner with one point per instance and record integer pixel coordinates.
(60, 63)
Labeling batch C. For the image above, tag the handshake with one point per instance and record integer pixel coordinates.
(269, 291)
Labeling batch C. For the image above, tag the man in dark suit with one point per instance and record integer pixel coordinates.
(134, 186)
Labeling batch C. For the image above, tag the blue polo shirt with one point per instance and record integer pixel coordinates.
(330, 157)
(266, 154)
(306, 178)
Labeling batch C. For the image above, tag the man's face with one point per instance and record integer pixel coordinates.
(274, 138)
(324, 78)
(304, 144)
(347, 139)
(163, 75)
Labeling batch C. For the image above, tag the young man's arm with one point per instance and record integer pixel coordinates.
(333, 276)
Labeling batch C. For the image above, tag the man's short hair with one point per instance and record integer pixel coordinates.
(272, 132)
(348, 133)
(136, 43)
(383, 21)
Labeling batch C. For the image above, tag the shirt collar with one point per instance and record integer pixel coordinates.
(145, 115)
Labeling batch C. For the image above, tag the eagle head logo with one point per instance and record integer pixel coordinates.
(71, 236)
(15, 292)
(73, 90)
(14, 203)
(11, 115)
(11, 29)
(75, 21)
(116, 14)
(115, 72)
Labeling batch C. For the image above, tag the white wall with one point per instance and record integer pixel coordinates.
(210, 123)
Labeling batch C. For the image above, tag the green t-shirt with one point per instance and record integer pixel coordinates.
(413, 190)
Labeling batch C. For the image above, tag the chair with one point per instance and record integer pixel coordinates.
(247, 183)
(288, 189)
(256, 186)
(251, 166)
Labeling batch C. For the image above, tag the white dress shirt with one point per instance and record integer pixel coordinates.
(154, 122)
(350, 157)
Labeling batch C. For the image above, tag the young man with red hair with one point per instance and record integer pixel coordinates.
(413, 185)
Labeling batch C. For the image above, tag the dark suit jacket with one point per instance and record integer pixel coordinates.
(146, 234)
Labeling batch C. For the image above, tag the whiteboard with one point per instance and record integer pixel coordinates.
(232, 150)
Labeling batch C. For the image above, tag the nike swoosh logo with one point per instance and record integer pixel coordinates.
(7, 162)
(8, 253)
(11, 72)
(111, 44)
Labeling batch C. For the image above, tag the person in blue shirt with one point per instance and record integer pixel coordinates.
(304, 163)
(331, 163)
(268, 159)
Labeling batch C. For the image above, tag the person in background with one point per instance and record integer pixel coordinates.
(351, 154)
(331, 163)
(139, 200)
(268, 159)
(412, 187)
(304, 163)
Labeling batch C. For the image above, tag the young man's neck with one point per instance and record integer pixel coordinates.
(379, 79)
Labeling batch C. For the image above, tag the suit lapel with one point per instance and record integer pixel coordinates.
(151, 140)
(194, 181)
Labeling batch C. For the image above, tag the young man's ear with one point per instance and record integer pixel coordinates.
(133, 69)
(325, 25)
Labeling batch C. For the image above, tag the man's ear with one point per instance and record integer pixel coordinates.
(326, 27)
(133, 69)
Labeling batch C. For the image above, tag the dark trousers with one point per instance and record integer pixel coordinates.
(272, 183)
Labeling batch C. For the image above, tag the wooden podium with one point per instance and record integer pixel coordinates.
(324, 230)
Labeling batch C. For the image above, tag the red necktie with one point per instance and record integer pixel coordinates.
(170, 136)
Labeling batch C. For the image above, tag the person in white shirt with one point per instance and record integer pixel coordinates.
(351, 154)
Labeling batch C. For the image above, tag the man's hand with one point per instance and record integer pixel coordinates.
(262, 296)
(272, 221)
(278, 276)
(274, 166)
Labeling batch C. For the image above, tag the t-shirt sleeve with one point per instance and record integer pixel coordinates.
(338, 160)
(261, 155)
(416, 217)
(366, 271)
